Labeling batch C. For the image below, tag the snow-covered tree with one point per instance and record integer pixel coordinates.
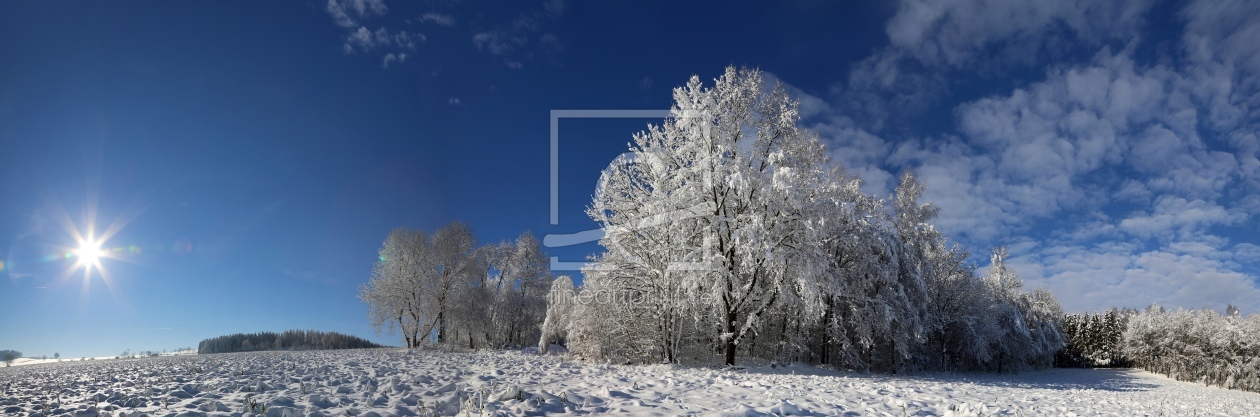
(507, 304)
(526, 270)
(459, 262)
(436, 289)
(1094, 339)
(955, 318)
(1201, 346)
(613, 317)
(561, 301)
(1025, 329)
(728, 178)
(399, 295)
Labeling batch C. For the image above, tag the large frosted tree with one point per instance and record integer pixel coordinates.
(399, 295)
(719, 194)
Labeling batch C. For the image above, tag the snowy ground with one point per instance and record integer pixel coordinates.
(35, 361)
(385, 382)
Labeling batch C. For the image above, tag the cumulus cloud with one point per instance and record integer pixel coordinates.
(930, 41)
(392, 58)
(1177, 216)
(345, 13)
(1044, 149)
(957, 33)
(1247, 253)
(1185, 274)
(393, 46)
(1220, 37)
(1109, 174)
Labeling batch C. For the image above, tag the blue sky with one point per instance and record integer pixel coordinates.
(255, 155)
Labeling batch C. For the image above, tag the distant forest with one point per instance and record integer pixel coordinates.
(289, 340)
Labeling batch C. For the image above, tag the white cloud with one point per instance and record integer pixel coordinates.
(1087, 228)
(439, 19)
(929, 40)
(518, 41)
(1038, 151)
(1221, 38)
(1184, 274)
(956, 33)
(1062, 149)
(364, 40)
(454, 101)
(392, 58)
(1247, 253)
(359, 39)
(346, 12)
(1133, 190)
(1177, 215)
(498, 42)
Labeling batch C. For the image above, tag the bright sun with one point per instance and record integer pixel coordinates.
(89, 252)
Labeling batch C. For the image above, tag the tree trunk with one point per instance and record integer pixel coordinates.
(892, 356)
(826, 332)
(667, 333)
(441, 327)
(729, 328)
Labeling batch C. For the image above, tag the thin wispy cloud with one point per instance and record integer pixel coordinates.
(439, 19)
(525, 37)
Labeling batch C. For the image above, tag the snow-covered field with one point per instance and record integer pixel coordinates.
(393, 382)
(35, 361)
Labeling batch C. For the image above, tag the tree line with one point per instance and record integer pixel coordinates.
(1187, 345)
(1094, 340)
(446, 288)
(729, 233)
(289, 340)
(1197, 345)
